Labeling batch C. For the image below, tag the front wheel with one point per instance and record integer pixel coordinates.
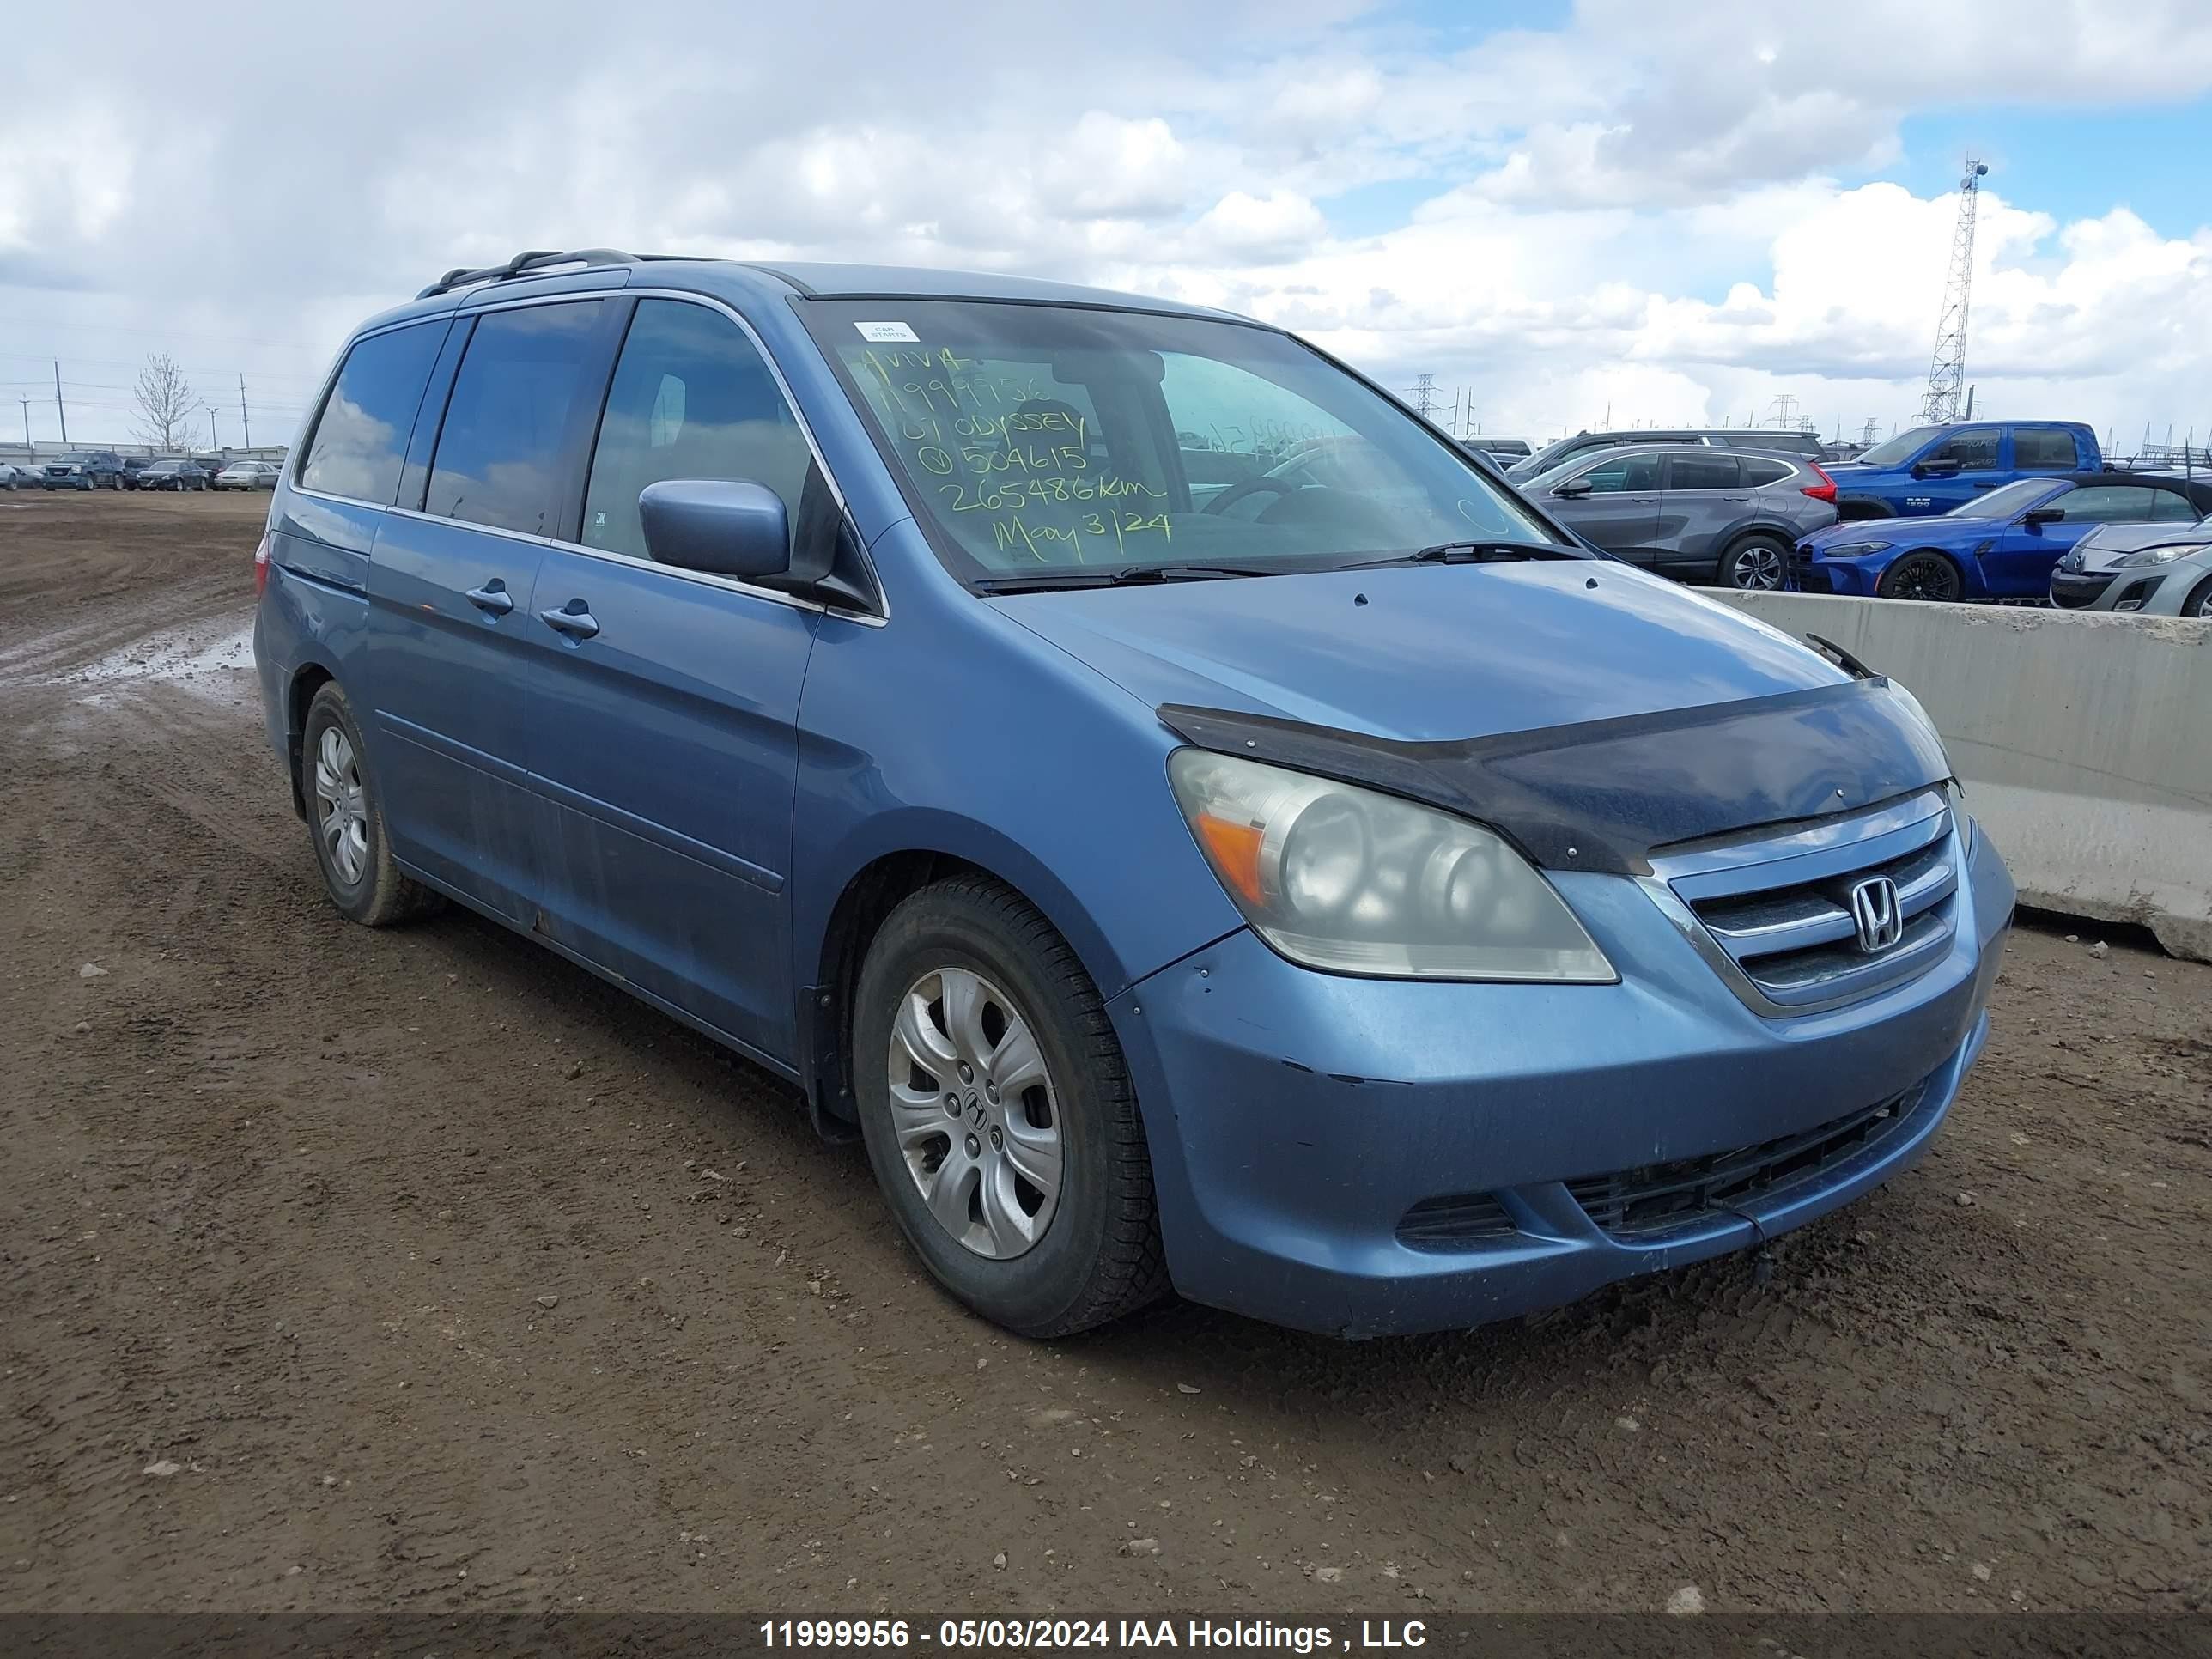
(1922, 575)
(2199, 603)
(999, 1114)
(1756, 564)
(347, 817)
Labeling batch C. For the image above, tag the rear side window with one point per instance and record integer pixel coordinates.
(361, 436)
(1702, 472)
(1756, 473)
(2042, 449)
(691, 399)
(499, 453)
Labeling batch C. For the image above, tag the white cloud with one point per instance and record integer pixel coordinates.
(239, 194)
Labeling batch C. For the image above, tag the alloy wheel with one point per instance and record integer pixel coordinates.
(1756, 567)
(1926, 576)
(341, 805)
(975, 1112)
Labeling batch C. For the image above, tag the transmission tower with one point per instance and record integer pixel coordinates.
(1424, 394)
(1946, 373)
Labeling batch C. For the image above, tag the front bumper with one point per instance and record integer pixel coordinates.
(1860, 577)
(1296, 1119)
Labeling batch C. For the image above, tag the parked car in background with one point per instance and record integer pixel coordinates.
(2003, 545)
(90, 468)
(1725, 516)
(247, 475)
(1779, 441)
(1338, 895)
(20, 475)
(2162, 568)
(176, 473)
(1507, 450)
(1931, 470)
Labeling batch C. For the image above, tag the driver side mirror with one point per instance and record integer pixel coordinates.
(726, 527)
(2036, 517)
(1574, 489)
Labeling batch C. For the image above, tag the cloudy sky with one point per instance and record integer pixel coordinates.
(1664, 212)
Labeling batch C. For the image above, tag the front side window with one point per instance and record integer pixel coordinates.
(1623, 475)
(2042, 449)
(1974, 451)
(1895, 452)
(360, 437)
(1034, 438)
(499, 452)
(2107, 504)
(691, 399)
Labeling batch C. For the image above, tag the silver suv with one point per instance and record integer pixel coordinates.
(1717, 515)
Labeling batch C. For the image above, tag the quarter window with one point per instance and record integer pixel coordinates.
(1757, 473)
(2042, 449)
(361, 436)
(2172, 507)
(691, 399)
(499, 453)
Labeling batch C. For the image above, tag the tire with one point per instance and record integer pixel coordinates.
(355, 860)
(2199, 603)
(1755, 564)
(1925, 575)
(1095, 1253)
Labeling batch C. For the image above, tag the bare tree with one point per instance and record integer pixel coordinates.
(165, 403)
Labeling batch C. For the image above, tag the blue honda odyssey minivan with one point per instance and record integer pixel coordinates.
(1194, 827)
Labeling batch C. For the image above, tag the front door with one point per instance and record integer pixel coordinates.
(1620, 511)
(664, 703)
(1975, 454)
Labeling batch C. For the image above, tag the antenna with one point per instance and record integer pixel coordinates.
(1946, 372)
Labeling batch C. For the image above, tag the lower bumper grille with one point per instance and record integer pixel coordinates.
(1447, 1223)
(2071, 593)
(1661, 1197)
(1806, 576)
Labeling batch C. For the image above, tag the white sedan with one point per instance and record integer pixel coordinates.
(246, 475)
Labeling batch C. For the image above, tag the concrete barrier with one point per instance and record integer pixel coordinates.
(2084, 741)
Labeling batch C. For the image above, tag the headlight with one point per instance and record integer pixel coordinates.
(2157, 556)
(1853, 550)
(1356, 881)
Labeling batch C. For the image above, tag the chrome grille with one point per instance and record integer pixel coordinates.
(1773, 912)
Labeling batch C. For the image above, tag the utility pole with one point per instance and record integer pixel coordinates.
(1424, 393)
(1946, 372)
(1784, 404)
(26, 402)
(245, 423)
(60, 408)
(214, 435)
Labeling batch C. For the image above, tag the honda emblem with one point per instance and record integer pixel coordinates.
(1873, 912)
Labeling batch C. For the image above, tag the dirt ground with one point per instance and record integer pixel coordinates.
(418, 1270)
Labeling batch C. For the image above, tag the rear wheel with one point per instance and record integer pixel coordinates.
(1757, 564)
(347, 818)
(999, 1114)
(1922, 575)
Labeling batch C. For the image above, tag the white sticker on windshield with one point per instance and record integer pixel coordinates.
(888, 333)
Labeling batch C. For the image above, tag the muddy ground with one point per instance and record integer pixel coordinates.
(417, 1269)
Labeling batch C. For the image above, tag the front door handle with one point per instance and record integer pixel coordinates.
(1992, 485)
(575, 619)
(492, 597)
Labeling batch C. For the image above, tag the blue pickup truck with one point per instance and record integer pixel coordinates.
(1934, 468)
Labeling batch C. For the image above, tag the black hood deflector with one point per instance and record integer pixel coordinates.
(1602, 794)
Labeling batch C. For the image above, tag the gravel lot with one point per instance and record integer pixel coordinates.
(419, 1270)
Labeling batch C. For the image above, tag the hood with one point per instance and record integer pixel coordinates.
(1942, 531)
(2103, 547)
(1425, 652)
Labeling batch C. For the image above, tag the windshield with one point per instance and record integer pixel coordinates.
(1903, 446)
(1030, 438)
(2016, 497)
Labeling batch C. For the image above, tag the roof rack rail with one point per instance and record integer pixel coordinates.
(530, 259)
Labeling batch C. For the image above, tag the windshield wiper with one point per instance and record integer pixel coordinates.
(1485, 553)
(1031, 581)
